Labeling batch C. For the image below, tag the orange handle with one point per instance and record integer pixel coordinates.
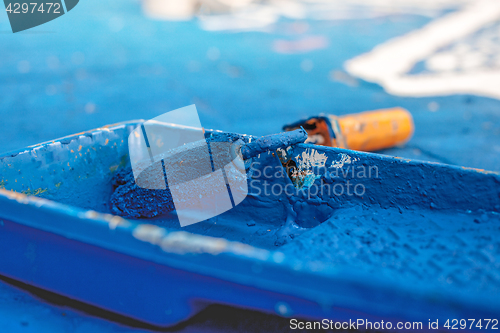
(372, 130)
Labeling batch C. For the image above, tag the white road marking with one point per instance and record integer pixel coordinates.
(389, 63)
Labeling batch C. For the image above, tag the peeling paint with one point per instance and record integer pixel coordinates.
(303, 176)
(344, 159)
(35, 191)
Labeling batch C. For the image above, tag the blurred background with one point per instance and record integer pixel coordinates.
(251, 67)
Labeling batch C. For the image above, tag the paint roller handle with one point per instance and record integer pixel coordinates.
(365, 131)
(273, 142)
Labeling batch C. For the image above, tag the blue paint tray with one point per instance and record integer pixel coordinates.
(417, 241)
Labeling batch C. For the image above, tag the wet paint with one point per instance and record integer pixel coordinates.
(421, 233)
(133, 201)
(273, 142)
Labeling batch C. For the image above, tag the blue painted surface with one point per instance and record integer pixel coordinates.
(130, 200)
(150, 67)
(145, 70)
(421, 232)
(273, 142)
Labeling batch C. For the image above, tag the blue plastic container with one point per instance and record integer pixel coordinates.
(419, 242)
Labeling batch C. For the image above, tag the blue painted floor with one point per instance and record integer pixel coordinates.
(104, 62)
(78, 72)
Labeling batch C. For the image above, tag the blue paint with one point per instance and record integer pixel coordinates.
(273, 142)
(143, 71)
(421, 233)
(132, 201)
